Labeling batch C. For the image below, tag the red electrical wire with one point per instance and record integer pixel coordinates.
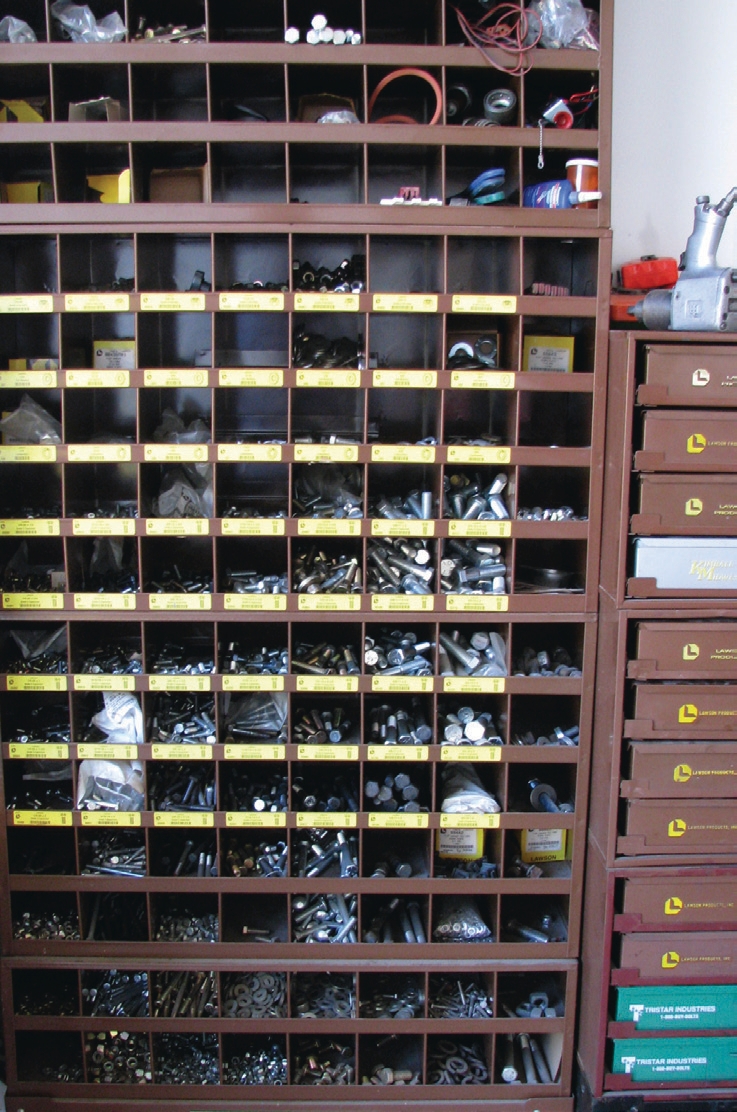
(504, 28)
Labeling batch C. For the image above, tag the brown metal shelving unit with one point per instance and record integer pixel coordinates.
(433, 275)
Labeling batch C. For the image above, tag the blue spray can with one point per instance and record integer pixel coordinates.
(556, 195)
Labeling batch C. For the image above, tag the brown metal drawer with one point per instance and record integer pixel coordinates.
(699, 956)
(687, 374)
(685, 650)
(686, 709)
(688, 441)
(679, 902)
(682, 770)
(679, 826)
(687, 505)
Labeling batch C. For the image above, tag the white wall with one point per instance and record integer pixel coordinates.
(674, 122)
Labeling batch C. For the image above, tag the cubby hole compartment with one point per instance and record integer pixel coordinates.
(93, 848)
(483, 417)
(81, 333)
(245, 638)
(120, 640)
(454, 780)
(464, 164)
(249, 173)
(252, 490)
(176, 490)
(541, 852)
(242, 1055)
(570, 264)
(392, 166)
(114, 917)
(28, 264)
(169, 915)
(389, 854)
(29, 342)
(554, 170)
(186, 1059)
(173, 562)
(527, 782)
(394, 482)
(34, 14)
(335, 1052)
(242, 261)
(519, 993)
(45, 992)
(401, 1054)
(315, 258)
(553, 419)
(391, 996)
(48, 400)
(467, 854)
(323, 995)
(85, 706)
(403, 340)
(317, 415)
(561, 643)
(416, 23)
(181, 787)
(465, 90)
(251, 340)
(476, 1052)
(494, 705)
(33, 646)
(59, 1061)
(266, 916)
(128, 994)
(249, 717)
(171, 173)
(258, 787)
(38, 916)
(389, 787)
(180, 13)
(184, 853)
(317, 787)
(414, 714)
(546, 916)
(164, 711)
(331, 645)
(32, 564)
(108, 564)
(104, 416)
(251, 416)
(510, 1065)
(403, 264)
(190, 404)
(483, 265)
(31, 490)
(407, 100)
(27, 165)
(464, 994)
(96, 263)
(74, 84)
(339, 13)
(229, 21)
(76, 163)
(553, 488)
(171, 92)
(248, 94)
(493, 341)
(533, 718)
(32, 853)
(184, 994)
(385, 920)
(550, 567)
(448, 927)
(170, 262)
(192, 644)
(326, 173)
(545, 86)
(581, 329)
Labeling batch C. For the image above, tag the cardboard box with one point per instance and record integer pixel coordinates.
(179, 185)
(548, 353)
(543, 845)
(661, 1060)
(26, 193)
(105, 109)
(114, 355)
(671, 1008)
(684, 564)
(32, 110)
(114, 189)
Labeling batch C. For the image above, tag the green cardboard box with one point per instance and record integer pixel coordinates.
(681, 1059)
(702, 1007)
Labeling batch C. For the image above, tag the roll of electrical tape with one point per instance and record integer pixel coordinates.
(500, 106)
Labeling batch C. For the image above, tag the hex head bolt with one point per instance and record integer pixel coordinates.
(527, 1061)
(543, 797)
(540, 1064)
(468, 658)
(509, 1069)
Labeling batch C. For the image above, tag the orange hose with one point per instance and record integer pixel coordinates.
(407, 71)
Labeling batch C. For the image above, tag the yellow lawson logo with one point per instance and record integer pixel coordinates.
(682, 773)
(677, 828)
(695, 444)
(670, 959)
(691, 651)
(694, 506)
(688, 713)
(673, 905)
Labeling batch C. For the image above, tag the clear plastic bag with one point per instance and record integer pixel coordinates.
(35, 642)
(173, 430)
(459, 920)
(562, 21)
(340, 116)
(186, 491)
(463, 792)
(79, 24)
(30, 423)
(110, 786)
(121, 719)
(16, 30)
(263, 715)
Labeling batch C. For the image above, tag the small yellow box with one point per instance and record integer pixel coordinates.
(114, 355)
(114, 189)
(34, 110)
(26, 193)
(548, 353)
(33, 364)
(464, 845)
(543, 845)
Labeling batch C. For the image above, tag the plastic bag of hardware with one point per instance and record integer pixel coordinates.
(258, 716)
(186, 491)
(464, 794)
(47, 770)
(339, 117)
(79, 24)
(588, 39)
(173, 430)
(110, 786)
(329, 482)
(562, 21)
(30, 423)
(121, 718)
(16, 30)
(35, 642)
(107, 558)
(459, 920)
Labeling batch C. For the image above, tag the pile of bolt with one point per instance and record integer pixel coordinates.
(48, 663)
(53, 510)
(320, 727)
(394, 793)
(116, 917)
(416, 505)
(328, 490)
(394, 725)
(251, 582)
(115, 660)
(183, 994)
(267, 1066)
(397, 653)
(250, 790)
(183, 926)
(473, 568)
(396, 921)
(168, 32)
(325, 659)
(109, 509)
(116, 855)
(260, 859)
(482, 654)
(558, 513)
(325, 996)
(47, 722)
(178, 660)
(33, 579)
(400, 566)
(170, 581)
(528, 869)
(451, 998)
(551, 928)
(193, 860)
(540, 662)
(312, 349)
(324, 918)
(323, 1062)
(393, 865)
(186, 1059)
(65, 1071)
(349, 276)
(52, 999)
(244, 508)
(452, 1063)
(320, 32)
(315, 573)
(114, 581)
(181, 787)
(533, 1061)
(255, 995)
(182, 719)
(385, 1075)
(559, 736)
(543, 797)
(42, 797)
(258, 284)
(240, 660)
(324, 793)
(115, 993)
(120, 1057)
(51, 926)
(326, 850)
(480, 868)
(473, 500)
(466, 726)
(536, 1006)
(394, 997)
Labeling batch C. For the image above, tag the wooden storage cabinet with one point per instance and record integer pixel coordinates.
(183, 335)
